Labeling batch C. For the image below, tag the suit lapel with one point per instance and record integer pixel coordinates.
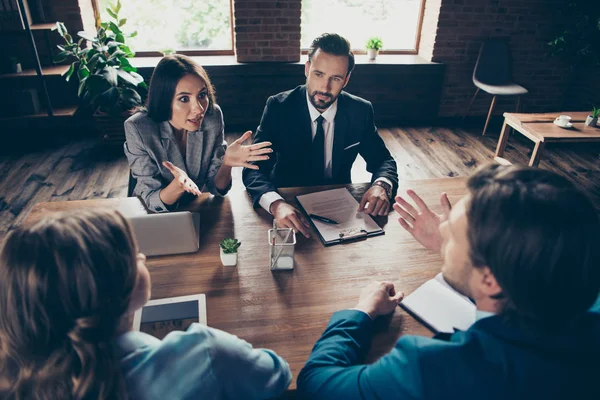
(305, 134)
(339, 136)
(168, 142)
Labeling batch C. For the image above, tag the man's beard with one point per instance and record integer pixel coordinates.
(321, 105)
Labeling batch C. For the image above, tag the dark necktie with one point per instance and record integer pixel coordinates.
(318, 153)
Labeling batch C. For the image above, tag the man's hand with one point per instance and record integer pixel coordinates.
(379, 202)
(424, 226)
(287, 216)
(379, 298)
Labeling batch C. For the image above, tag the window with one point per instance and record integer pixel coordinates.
(187, 26)
(396, 22)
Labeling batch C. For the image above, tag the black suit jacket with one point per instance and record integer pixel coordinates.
(286, 123)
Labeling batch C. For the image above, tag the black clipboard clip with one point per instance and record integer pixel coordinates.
(351, 234)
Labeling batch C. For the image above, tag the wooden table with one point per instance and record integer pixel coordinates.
(539, 128)
(287, 311)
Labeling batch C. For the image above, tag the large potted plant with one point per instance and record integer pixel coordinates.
(108, 84)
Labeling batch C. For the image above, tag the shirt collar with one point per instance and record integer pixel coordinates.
(328, 114)
(479, 314)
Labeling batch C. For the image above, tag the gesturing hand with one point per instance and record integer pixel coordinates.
(182, 179)
(379, 298)
(286, 216)
(379, 203)
(424, 226)
(238, 155)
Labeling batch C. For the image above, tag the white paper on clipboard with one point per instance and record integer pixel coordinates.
(340, 206)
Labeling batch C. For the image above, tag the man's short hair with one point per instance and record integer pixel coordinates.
(332, 43)
(540, 237)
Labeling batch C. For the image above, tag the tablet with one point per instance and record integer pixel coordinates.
(161, 316)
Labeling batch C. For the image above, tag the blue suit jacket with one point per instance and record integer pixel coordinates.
(286, 123)
(490, 360)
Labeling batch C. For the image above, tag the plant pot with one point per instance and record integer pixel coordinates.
(591, 121)
(372, 53)
(111, 127)
(228, 260)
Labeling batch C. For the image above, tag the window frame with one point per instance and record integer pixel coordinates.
(192, 53)
(414, 51)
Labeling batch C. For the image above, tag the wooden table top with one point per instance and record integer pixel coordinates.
(541, 126)
(287, 311)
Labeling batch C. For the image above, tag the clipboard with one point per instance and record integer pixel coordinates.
(352, 225)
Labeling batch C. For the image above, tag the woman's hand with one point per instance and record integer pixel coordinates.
(182, 180)
(238, 155)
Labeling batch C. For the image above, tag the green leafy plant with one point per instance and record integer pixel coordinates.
(577, 38)
(595, 112)
(230, 246)
(107, 80)
(375, 43)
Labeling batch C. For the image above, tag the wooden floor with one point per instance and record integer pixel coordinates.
(83, 170)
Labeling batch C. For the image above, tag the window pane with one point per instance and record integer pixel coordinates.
(175, 24)
(394, 21)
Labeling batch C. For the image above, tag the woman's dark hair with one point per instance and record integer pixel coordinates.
(65, 284)
(540, 237)
(332, 43)
(164, 80)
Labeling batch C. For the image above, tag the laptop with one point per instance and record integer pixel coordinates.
(167, 233)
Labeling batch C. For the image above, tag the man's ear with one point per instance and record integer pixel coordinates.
(306, 68)
(347, 80)
(486, 281)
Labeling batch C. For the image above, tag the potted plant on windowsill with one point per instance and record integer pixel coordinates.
(108, 84)
(592, 119)
(228, 249)
(374, 44)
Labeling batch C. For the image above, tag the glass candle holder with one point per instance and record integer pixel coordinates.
(282, 242)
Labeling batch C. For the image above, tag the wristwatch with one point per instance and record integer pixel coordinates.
(386, 186)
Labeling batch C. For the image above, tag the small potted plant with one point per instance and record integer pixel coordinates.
(229, 249)
(374, 44)
(592, 119)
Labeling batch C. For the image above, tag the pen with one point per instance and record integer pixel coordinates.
(323, 219)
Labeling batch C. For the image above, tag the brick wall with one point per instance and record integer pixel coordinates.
(462, 26)
(267, 30)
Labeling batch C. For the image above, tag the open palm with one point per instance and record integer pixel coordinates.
(423, 225)
(182, 179)
(239, 155)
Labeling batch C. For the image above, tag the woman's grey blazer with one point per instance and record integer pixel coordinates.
(149, 144)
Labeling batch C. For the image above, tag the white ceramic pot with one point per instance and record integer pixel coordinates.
(589, 121)
(228, 260)
(372, 53)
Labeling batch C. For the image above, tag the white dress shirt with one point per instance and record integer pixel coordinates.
(328, 115)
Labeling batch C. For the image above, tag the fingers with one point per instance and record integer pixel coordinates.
(169, 165)
(406, 205)
(261, 145)
(363, 203)
(257, 158)
(383, 208)
(417, 200)
(404, 214)
(190, 187)
(397, 298)
(372, 203)
(250, 166)
(446, 206)
(298, 225)
(405, 225)
(259, 152)
(244, 137)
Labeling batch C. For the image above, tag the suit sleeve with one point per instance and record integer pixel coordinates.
(144, 169)
(258, 182)
(218, 152)
(246, 372)
(334, 369)
(379, 160)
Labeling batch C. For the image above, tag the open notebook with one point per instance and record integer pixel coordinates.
(340, 206)
(440, 307)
